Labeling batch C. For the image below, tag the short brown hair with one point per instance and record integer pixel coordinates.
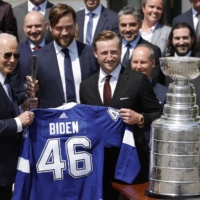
(104, 36)
(58, 11)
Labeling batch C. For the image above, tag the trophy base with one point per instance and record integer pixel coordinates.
(175, 197)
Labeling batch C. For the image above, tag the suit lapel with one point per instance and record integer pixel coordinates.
(189, 18)
(81, 24)
(53, 67)
(96, 90)
(156, 33)
(101, 22)
(123, 77)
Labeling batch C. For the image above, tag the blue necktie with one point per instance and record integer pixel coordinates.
(36, 8)
(69, 78)
(89, 29)
(125, 60)
(10, 96)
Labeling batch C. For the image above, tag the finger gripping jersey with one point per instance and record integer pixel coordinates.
(62, 153)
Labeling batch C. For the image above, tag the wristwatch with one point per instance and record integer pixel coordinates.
(141, 120)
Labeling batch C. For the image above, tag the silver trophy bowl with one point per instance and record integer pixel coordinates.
(180, 68)
(175, 137)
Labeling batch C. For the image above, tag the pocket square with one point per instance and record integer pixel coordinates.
(124, 98)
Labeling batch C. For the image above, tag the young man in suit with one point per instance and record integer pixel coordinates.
(126, 90)
(20, 11)
(11, 123)
(102, 19)
(143, 61)
(130, 21)
(59, 73)
(34, 28)
(190, 16)
(7, 20)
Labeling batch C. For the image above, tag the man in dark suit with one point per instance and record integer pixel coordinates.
(11, 122)
(103, 19)
(20, 11)
(56, 85)
(190, 16)
(130, 19)
(34, 28)
(7, 20)
(182, 42)
(126, 90)
(143, 61)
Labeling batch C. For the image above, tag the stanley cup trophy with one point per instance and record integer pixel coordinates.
(175, 150)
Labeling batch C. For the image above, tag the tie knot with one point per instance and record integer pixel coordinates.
(36, 8)
(91, 15)
(128, 45)
(65, 51)
(6, 81)
(36, 48)
(108, 78)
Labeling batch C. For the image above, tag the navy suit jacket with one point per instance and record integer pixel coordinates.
(51, 93)
(108, 20)
(9, 142)
(184, 17)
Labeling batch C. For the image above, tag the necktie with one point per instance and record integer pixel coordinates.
(36, 48)
(10, 96)
(69, 78)
(198, 27)
(89, 29)
(107, 91)
(125, 60)
(37, 8)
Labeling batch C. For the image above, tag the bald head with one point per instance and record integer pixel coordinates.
(8, 50)
(35, 27)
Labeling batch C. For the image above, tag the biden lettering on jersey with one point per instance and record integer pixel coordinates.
(62, 127)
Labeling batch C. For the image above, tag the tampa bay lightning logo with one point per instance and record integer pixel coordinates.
(114, 114)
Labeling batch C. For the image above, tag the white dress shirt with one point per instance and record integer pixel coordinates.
(187, 55)
(195, 18)
(113, 80)
(42, 7)
(133, 45)
(97, 13)
(148, 35)
(42, 44)
(17, 120)
(76, 68)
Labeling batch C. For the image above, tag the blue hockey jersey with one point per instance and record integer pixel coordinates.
(62, 153)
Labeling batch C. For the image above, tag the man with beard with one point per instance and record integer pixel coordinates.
(182, 41)
(130, 21)
(63, 63)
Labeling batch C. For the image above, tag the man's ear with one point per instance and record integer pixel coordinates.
(95, 53)
(153, 63)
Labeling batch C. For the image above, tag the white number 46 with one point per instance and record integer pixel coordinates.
(51, 159)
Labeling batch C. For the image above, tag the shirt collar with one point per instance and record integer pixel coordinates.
(187, 55)
(2, 78)
(115, 73)
(42, 6)
(72, 47)
(133, 43)
(150, 30)
(194, 12)
(96, 11)
(42, 44)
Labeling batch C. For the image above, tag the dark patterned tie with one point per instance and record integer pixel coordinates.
(36, 8)
(107, 94)
(125, 61)
(198, 28)
(36, 48)
(88, 40)
(69, 78)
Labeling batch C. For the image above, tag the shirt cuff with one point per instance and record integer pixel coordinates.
(19, 124)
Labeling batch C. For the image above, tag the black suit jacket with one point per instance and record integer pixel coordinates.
(108, 20)
(51, 93)
(7, 20)
(9, 142)
(157, 74)
(139, 96)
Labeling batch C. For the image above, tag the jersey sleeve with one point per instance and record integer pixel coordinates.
(23, 179)
(128, 164)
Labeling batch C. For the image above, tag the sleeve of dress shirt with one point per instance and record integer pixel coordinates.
(19, 124)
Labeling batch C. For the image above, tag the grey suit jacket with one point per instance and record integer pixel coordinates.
(160, 37)
(20, 12)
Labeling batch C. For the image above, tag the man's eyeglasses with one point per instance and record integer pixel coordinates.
(7, 55)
